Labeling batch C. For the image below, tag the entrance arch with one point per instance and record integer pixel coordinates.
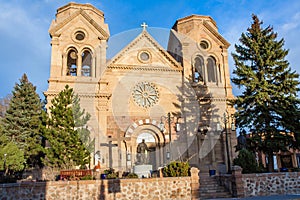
(154, 138)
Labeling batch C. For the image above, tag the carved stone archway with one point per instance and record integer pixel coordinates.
(146, 128)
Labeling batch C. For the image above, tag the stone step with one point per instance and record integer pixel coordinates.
(215, 196)
(210, 189)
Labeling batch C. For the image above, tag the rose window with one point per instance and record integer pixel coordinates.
(145, 94)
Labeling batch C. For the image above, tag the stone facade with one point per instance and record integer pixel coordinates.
(129, 95)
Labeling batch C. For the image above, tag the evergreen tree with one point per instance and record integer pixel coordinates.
(81, 119)
(11, 157)
(66, 150)
(22, 122)
(246, 159)
(270, 89)
(4, 104)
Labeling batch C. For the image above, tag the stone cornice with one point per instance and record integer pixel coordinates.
(216, 34)
(211, 99)
(142, 68)
(198, 17)
(56, 27)
(74, 80)
(78, 5)
(86, 95)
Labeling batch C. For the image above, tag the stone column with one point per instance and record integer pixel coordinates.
(237, 182)
(195, 183)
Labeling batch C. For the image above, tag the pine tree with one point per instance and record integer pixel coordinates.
(11, 157)
(269, 86)
(81, 119)
(4, 104)
(66, 150)
(22, 121)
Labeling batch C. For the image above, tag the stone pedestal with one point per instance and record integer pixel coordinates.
(143, 171)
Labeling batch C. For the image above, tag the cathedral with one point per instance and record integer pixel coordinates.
(174, 99)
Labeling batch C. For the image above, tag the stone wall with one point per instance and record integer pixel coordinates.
(271, 183)
(262, 184)
(150, 188)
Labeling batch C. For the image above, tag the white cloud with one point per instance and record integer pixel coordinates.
(25, 46)
(293, 23)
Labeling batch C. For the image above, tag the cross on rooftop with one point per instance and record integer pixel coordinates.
(144, 25)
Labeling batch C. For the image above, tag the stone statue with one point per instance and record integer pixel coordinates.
(142, 153)
(242, 141)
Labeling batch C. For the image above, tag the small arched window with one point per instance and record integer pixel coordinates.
(86, 63)
(211, 69)
(72, 63)
(198, 69)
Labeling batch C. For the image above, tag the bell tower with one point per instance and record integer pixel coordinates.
(196, 43)
(78, 57)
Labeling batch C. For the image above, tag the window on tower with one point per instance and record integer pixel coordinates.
(72, 63)
(86, 63)
(198, 69)
(211, 69)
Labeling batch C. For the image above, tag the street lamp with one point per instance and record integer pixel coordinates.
(128, 156)
(226, 120)
(4, 163)
(162, 128)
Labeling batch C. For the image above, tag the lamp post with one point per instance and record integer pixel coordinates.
(162, 127)
(4, 163)
(226, 120)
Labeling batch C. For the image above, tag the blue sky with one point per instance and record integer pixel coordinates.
(25, 42)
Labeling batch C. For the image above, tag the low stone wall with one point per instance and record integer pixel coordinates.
(262, 184)
(154, 188)
(181, 188)
(271, 183)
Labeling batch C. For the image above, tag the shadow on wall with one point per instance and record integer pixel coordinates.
(200, 119)
(112, 186)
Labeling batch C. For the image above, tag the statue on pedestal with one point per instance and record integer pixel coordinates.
(142, 150)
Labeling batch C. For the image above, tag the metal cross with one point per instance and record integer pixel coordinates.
(144, 25)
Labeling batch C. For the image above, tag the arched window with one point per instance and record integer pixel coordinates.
(86, 63)
(211, 69)
(198, 69)
(72, 63)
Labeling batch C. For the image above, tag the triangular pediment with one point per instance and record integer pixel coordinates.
(56, 27)
(215, 35)
(208, 25)
(146, 54)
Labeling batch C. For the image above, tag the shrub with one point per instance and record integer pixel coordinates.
(111, 174)
(109, 171)
(176, 169)
(87, 177)
(246, 160)
(132, 175)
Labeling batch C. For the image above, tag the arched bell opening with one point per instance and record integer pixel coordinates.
(72, 65)
(86, 58)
